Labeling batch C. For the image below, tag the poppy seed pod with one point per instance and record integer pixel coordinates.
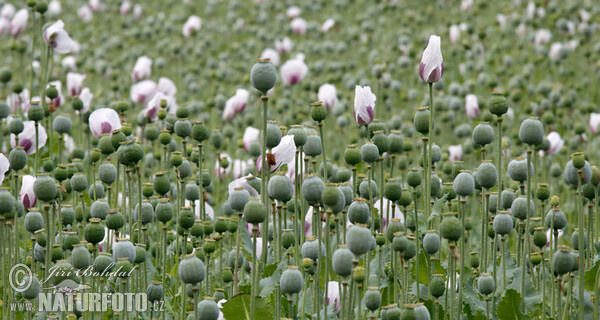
(503, 223)
(575, 240)
(34, 221)
(299, 135)
(330, 196)
(15, 125)
(164, 211)
(358, 239)
(369, 152)
(199, 131)
(155, 291)
(450, 227)
(312, 188)
(421, 120)
(17, 158)
(517, 169)
(531, 132)
(191, 270)
(486, 284)
(273, 135)
(7, 201)
(238, 198)
(291, 280)
(396, 142)
(280, 187)
(400, 242)
(391, 313)
(519, 208)
(562, 261)
(107, 173)
(352, 155)
(114, 220)
(45, 188)
(208, 309)
(124, 249)
(506, 199)
(363, 189)
(94, 231)
(79, 182)
(255, 211)
(287, 238)
(543, 192)
(318, 112)
(67, 215)
(395, 226)
(498, 104)
(483, 134)
(96, 191)
(35, 112)
(186, 218)
(263, 76)
(313, 147)
(80, 257)
(341, 262)
(487, 175)
(381, 141)
(33, 287)
(130, 153)
(437, 286)
(393, 190)
(572, 176)
(464, 184)
(372, 298)
(358, 212)
(310, 249)
(539, 237)
(161, 182)
(145, 214)
(62, 124)
(431, 242)
(414, 177)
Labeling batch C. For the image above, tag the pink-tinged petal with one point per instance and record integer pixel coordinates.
(431, 67)
(272, 55)
(18, 22)
(143, 91)
(74, 83)
(142, 68)
(293, 71)
(86, 97)
(284, 46)
(594, 122)
(166, 86)
(26, 195)
(104, 120)
(298, 25)
(4, 166)
(456, 153)
(333, 294)
(364, 105)
(27, 137)
(328, 95)
(250, 135)
(471, 106)
(193, 23)
(556, 142)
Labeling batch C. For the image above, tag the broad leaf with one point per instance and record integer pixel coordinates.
(509, 306)
(238, 307)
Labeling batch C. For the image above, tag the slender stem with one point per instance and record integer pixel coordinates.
(580, 248)
(325, 176)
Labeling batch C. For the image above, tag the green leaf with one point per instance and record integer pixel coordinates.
(509, 306)
(531, 295)
(590, 277)
(424, 268)
(238, 307)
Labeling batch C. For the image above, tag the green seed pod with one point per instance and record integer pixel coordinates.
(162, 184)
(483, 134)
(273, 135)
(372, 299)
(312, 189)
(164, 210)
(130, 153)
(96, 191)
(16, 126)
(431, 242)
(79, 182)
(358, 239)
(107, 173)
(486, 284)
(313, 147)
(67, 215)
(209, 246)
(578, 160)
(562, 261)
(44, 188)
(474, 261)
(186, 218)
(358, 212)
(263, 76)
(318, 112)
(123, 248)
(35, 112)
(80, 257)
(531, 132)
(154, 292)
(396, 142)
(437, 286)
(589, 191)
(124, 266)
(575, 240)
(369, 153)
(146, 215)
(342, 175)
(507, 199)
(414, 177)
(519, 208)
(63, 270)
(539, 237)
(238, 199)
(464, 184)
(498, 104)
(34, 221)
(32, 291)
(503, 223)
(200, 131)
(7, 201)
(140, 253)
(451, 228)
(62, 124)
(255, 211)
(421, 120)
(227, 275)
(358, 274)
(394, 227)
(208, 309)
(299, 135)
(191, 269)
(381, 141)
(408, 312)
(164, 137)
(176, 159)
(487, 175)
(280, 187)
(391, 313)
(192, 192)
(94, 231)
(352, 155)
(517, 169)
(393, 190)
(341, 262)
(114, 220)
(56, 252)
(291, 280)
(287, 238)
(17, 158)
(310, 249)
(572, 176)
(103, 263)
(185, 169)
(183, 128)
(543, 192)
(400, 242)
